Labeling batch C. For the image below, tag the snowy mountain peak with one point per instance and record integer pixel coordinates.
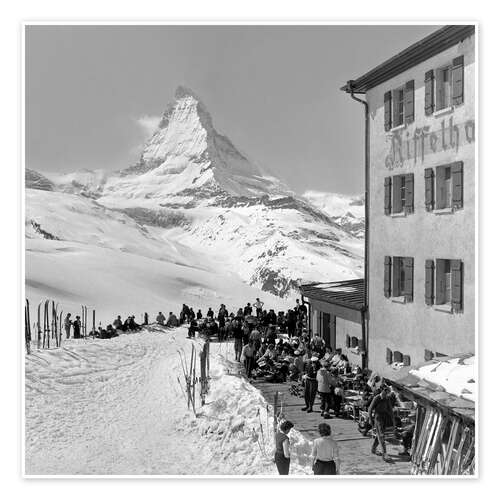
(186, 154)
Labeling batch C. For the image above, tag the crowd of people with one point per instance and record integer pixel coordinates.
(279, 347)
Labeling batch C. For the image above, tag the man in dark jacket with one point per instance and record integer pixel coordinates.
(381, 416)
(311, 383)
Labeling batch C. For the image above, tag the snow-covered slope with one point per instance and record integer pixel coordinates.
(347, 211)
(78, 252)
(192, 186)
(116, 407)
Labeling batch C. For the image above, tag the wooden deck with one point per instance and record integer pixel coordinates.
(354, 449)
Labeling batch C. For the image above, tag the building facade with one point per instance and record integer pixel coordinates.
(421, 201)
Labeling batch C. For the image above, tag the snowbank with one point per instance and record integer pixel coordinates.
(116, 407)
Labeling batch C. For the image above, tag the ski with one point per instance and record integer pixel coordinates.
(39, 329)
(27, 332)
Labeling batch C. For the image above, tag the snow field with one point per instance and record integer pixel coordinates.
(116, 407)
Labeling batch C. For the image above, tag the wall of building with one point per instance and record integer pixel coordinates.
(413, 327)
(338, 328)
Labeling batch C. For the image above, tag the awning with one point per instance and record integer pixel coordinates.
(446, 382)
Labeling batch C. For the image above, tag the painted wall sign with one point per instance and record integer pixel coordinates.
(406, 147)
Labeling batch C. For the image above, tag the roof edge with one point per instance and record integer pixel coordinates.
(433, 44)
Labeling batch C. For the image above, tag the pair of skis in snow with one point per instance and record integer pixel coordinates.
(189, 377)
(52, 324)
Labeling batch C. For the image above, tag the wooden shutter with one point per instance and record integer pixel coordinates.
(388, 356)
(457, 179)
(408, 285)
(410, 101)
(361, 345)
(409, 193)
(347, 341)
(387, 195)
(429, 282)
(457, 81)
(387, 111)
(387, 276)
(429, 189)
(406, 360)
(429, 92)
(440, 281)
(396, 274)
(396, 194)
(456, 285)
(440, 182)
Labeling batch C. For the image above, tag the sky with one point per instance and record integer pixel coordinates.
(93, 93)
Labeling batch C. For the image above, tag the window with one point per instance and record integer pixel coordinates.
(398, 97)
(398, 278)
(444, 283)
(443, 88)
(444, 187)
(399, 106)
(398, 196)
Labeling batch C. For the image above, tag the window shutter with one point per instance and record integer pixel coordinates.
(440, 182)
(429, 189)
(429, 92)
(354, 341)
(457, 179)
(388, 356)
(397, 357)
(457, 79)
(408, 285)
(387, 111)
(396, 273)
(361, 345)
(387, 276)
(347, 341)
(429, 282)
(440, 282)
(387, 195)
(396, 194)
(456, 285)
(410, 101)
(409, 193)
(406, 360)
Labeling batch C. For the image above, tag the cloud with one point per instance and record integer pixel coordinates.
(148, 124)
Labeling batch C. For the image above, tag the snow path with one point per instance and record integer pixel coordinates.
(116, 407)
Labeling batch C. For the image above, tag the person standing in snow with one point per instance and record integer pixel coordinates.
(67, 325)
(160, 319)
(258, 307)
(282, 452)
(77, 325)
(237, 332)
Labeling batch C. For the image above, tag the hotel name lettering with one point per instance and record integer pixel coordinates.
(407, 147)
